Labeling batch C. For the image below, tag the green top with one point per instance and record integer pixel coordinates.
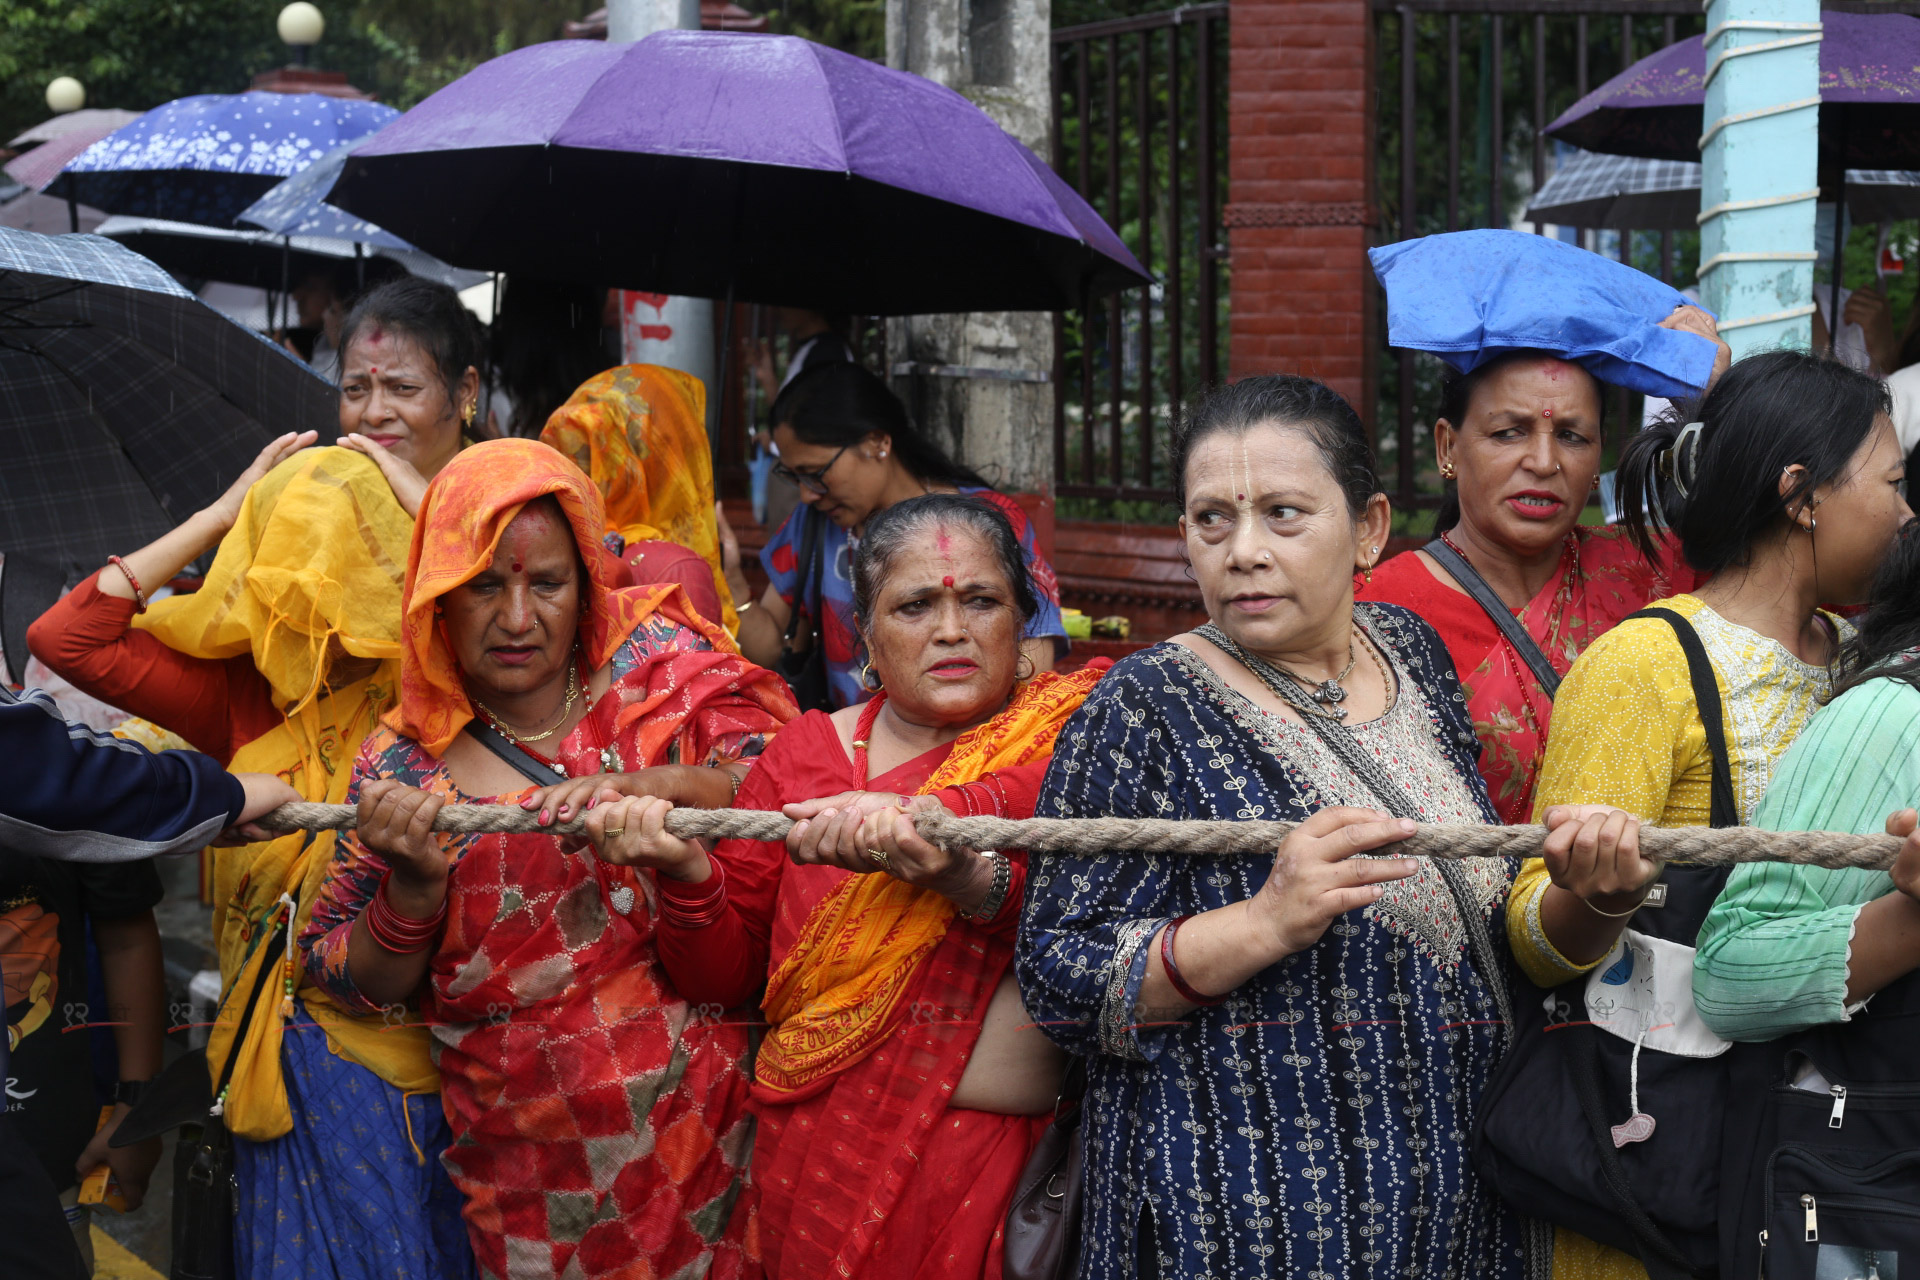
(1772, 955)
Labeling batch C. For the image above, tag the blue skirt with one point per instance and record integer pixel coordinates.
(343, 1194)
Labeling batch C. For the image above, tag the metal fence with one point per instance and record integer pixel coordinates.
(1465, 87)
(1140, 130)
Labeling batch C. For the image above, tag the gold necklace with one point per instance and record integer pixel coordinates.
(566, 709)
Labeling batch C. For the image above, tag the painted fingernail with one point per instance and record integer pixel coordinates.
(545, 817)
(593, 802)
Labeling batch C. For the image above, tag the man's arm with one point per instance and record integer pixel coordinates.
(78, 796)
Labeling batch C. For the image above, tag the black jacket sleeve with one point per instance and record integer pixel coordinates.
(78, 796)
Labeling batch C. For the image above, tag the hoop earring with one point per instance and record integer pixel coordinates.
(1031, 670)
(869, 678)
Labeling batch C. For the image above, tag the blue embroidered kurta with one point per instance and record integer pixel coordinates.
(1316, 1124)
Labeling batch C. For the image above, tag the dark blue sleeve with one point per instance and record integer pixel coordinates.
(77, 796)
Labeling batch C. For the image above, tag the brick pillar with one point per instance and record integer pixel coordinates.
(1299, 201)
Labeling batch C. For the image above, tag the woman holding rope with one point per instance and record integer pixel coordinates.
(899, 1090)
(599, 1128)
(1520, 436)
(1283, 1051)
(282, 662)
(1784, 495)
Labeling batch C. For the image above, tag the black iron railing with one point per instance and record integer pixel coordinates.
(1140, 130)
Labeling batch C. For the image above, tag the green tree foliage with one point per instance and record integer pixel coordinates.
(140, 53)
(854, 26)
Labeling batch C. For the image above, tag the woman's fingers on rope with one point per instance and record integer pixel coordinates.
(1338, 833)
(1906, 865)
(396, 821)
(863, 801)
(817, 841)
(632, 831)
(1593, 851)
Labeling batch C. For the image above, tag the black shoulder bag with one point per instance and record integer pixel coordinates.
(1545, 1138)
(1496, 609)
(805, 671)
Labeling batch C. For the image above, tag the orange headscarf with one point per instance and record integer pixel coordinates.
(641, 432)
(466, 509)
(836, 996)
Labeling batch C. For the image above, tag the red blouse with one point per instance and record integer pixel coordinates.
(218, 705)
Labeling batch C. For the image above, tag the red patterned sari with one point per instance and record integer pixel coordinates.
(1601, 579)
(599, 1127)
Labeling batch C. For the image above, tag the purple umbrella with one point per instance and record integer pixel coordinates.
(710, 164)
(1869, 98)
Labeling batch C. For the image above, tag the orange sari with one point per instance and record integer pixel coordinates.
(875, 1001)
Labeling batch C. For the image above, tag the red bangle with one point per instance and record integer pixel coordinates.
(691, 912)
(402, 935)
(1180, 983)
(139, 596)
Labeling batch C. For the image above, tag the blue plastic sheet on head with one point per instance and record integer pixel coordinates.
(1472, 296)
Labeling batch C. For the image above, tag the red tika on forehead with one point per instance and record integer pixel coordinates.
(947, 581)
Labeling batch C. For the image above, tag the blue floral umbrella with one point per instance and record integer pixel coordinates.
(205, 158)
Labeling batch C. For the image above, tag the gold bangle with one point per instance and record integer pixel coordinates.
(1619, 915)
(740, 608)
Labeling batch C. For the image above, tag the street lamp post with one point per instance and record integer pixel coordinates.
(301, 26)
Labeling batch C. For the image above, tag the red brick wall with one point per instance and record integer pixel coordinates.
(1298, 200)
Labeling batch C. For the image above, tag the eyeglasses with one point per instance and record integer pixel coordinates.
(813, 479)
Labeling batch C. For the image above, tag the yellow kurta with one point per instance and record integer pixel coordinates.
(1627, 733)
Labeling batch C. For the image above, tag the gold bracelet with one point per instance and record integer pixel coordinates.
(740, 608)
(1620, 915)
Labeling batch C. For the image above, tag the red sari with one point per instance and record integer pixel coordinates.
(868, 1172)
(1601, 579)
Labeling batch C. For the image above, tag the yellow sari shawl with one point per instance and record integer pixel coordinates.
(836, 995)
(308, 584)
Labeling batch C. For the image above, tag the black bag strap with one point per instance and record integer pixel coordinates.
(1706, 696)
(535, 771)
(1661, 1257)
(1476, 586)
(276, 945)
(810, 575)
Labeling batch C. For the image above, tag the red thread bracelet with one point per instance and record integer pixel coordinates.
(1174, 976)
(139, 596)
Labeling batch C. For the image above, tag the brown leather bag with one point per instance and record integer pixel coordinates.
(1043, 1221)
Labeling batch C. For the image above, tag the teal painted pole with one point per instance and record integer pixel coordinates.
(1759, 159)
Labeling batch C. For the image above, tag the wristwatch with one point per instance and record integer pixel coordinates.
(129, 1092)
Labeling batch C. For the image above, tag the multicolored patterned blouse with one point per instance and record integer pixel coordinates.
(846, 652)
(1314, 1125)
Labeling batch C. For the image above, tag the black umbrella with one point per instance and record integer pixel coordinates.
(126, 404)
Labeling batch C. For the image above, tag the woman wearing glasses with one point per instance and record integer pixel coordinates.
(846, 441)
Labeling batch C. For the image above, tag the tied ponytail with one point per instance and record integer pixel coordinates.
(1711, 471)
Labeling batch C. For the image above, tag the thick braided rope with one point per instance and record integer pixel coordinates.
(1699, 846)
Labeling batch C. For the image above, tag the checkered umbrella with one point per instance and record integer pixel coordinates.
(1632, 193)
(126, 403)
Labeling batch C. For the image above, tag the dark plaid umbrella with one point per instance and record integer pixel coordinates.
(126, 404)
(1632, 193)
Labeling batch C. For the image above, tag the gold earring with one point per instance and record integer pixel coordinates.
(468, 415)
(1366, 579)
(1021, 679)
(1596, 484)
(1447, 472)
(869, 678)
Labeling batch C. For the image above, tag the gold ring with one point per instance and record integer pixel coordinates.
(616, 831)
(880, 856)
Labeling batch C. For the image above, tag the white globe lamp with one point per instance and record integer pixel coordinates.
(65, 94)
(301, 25)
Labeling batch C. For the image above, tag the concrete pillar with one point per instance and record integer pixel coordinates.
(979, 382)
(1759, 160)
(674, 332)
(1298, 205)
